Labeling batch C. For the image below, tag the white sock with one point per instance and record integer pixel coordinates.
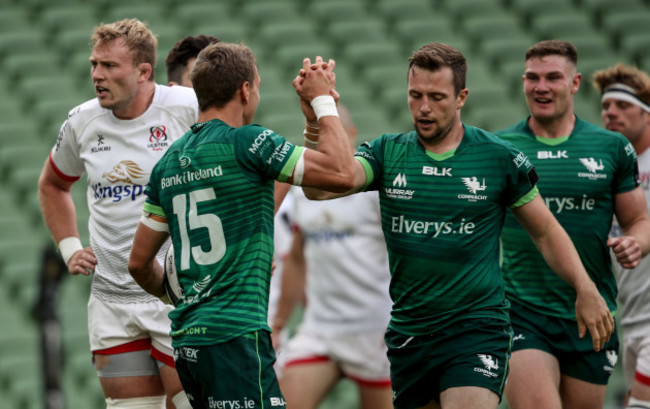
(180, 401)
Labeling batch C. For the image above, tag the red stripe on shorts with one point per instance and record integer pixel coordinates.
(162, 357)
(379, 383)
(137, 345)
(310, 360)
(644, 379)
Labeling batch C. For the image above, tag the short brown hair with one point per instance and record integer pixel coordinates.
(553, 47)
(220, 69)
(434, 56)
(633, 77)
(185, 49)
(142, 43)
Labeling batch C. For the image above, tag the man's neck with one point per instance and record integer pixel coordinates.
(556, 128)
(643, 144)
(230, 114)
(140, 104)
(448, 143)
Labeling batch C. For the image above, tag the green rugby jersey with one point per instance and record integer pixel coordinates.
(215, 187)
(578, 178)
(442, 216)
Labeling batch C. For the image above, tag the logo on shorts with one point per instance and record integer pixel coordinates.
(518, 337)
(490, 363)
(612, 358)
(186, 353)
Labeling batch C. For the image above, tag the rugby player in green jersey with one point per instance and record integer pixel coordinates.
(212, 192)
(586, 175)
(444, 190)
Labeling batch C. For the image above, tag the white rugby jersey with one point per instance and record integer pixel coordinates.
(282, 239)
(347, 263)
(118, 156)
(634, 285)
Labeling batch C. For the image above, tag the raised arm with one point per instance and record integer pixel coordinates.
(330, 164)
(560, 254)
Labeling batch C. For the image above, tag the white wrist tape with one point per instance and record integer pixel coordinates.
(69, 246)
(324, 105)
(310, 143)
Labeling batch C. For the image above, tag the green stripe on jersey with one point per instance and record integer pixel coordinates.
(442, 220)
(215, 185)
(579, 176)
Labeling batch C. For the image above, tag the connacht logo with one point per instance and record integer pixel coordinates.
(592, 165)
(473, 185)
(612, 357)
(489, 362)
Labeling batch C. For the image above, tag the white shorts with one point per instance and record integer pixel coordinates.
(115, 328)
(361, 357)
(636, 360)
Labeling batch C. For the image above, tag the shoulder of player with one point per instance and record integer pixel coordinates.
(176, 97)
(584, 129)
(478, 136)
(86, 112)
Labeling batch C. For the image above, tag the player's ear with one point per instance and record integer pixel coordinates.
(145, 70)
(244, 91)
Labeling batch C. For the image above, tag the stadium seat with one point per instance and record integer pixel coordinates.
(57, 17)
(71, 41)
(394, 11)
(601, 10)
(348, 33)
(151, 13)
(189, 15)
(502, 51)
(416, 31)
(232, 31)
(24, 41)
(563, 27)
(276, 34)
(289, 57)
(322, 13)
(360, 55)
(530, 10)
(635, 46)
(459, 10)
(14, 19)
(255, 14)
(20, 66)
(378, 77)
(479, 29)
(620, 23)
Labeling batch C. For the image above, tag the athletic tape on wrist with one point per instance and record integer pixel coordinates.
(69, 246)
(324, 105)
(310, 143)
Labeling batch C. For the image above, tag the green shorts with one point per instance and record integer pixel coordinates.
(559, 337)
(474, 352)
(233, 374)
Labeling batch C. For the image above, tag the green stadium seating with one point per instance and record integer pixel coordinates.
(530, 10)
(189, 15)
(59, 17)
(419, 30)
(322, 13)
(479, 29)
